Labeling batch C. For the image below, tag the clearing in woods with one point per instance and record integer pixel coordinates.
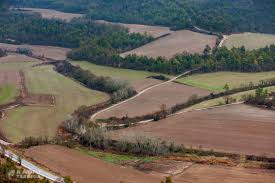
(249, 40)
(154, 31)
(53, 14)
(217, 80)
(176, 43)
(43, 121)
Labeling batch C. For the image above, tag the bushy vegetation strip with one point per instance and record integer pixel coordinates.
(119, 90)
(261, 98)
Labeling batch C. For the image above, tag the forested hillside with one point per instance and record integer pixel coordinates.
(215, 15)
(32, 29)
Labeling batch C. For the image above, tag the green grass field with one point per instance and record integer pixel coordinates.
(123, 74)
(249, 40)
(43, 121)
(8, 93)
(215, 81)
(221, 100)
(115, 158)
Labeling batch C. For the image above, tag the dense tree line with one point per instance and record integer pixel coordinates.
(221, 59)
(32, 29)
(119, 90)
(214, 15)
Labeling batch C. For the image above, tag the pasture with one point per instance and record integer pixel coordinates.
(176, 43)
(43, 121)
(138, 79)
(238, 129)
(216, 81)
(249, 40)
(8, 93)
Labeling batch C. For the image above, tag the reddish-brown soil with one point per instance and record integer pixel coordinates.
(145, 83)
(149, 102)
(83, 168)
(53, 14)
(176, 43)
(238, 129)
(57, 53)
(220, 174)
(10, 77)
(155, 31)
(17, 58)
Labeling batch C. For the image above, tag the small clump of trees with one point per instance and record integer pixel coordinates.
(261, 98)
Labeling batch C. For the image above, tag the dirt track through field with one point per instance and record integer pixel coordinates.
(175, 43)
(236, 129)
(83, 168)
(150, 99)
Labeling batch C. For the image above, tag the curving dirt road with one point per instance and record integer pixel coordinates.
(140, 93)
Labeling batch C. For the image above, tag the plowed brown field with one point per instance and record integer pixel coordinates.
(219, 174)
(57, 53)
(149, 102)
(17, 58)
(83, 168)
(176, 43)
(236, 129)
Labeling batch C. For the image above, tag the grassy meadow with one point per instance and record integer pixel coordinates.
(8, 93)
(44, 121)
(124, 74)
(216, 81)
